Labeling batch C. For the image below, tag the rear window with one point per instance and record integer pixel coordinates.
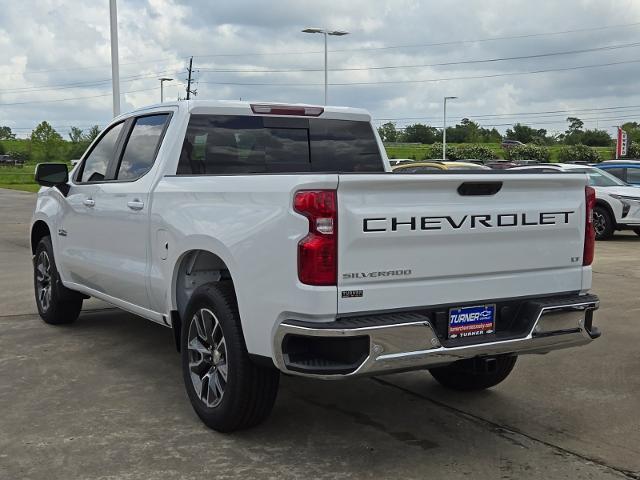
(220, 144)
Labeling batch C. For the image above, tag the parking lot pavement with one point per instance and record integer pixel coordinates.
(104, 399)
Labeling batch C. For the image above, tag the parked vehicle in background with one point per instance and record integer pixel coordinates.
(617, 204)
(501, 165)
(274, 238)
(9, 161)
(434, 166)
(506, 143)
(626, 170)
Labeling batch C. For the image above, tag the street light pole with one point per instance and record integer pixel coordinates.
(325, 32)
(444, 128)
(115, 67)
(162, 80)
(326, 70)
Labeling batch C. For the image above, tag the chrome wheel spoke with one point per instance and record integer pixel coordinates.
(222, 370)
(207, 355)
(216, 387)
(43, 281)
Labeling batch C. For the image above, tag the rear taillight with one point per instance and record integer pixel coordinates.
(589, 231)
(318, 251)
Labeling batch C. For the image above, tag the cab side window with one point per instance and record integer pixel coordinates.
(97, 162)
(142, 146)
(633, 175)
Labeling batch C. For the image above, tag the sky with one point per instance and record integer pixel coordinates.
(507, 61)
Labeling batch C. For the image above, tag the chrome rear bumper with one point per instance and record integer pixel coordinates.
(408, 341)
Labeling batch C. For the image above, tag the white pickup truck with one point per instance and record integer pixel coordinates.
(274, 238)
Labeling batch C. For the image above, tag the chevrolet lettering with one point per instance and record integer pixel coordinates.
(394, 224)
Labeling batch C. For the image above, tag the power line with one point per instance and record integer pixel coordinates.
(87, 84)
(420, 45)
(307, 52)
(104, 65)
(173, 72)
(461, 62)
(75, 98)
(392, 82)
(492, 39)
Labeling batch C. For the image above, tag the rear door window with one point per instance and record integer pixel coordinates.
(218, 144)
(142, 146)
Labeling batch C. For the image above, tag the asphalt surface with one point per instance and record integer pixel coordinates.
(104, 399)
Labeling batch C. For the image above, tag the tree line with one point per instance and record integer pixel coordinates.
(468, 131)
(45, 144)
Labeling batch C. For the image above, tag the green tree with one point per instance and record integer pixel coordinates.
(526, 134)
(387, 132)
(46, 142)
(92, 134)
(574, 134)
(6, 134)
(575, 125)
(76, 135)
(419, 133)
(633, 131)
(596, 138)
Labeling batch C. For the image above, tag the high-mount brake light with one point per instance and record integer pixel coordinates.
(318, 251)
(287, 110)
(589, 230)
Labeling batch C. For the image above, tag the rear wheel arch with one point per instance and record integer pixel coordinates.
(193, 269)
(607, 207)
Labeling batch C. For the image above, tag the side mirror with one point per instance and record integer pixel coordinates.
(53, 175)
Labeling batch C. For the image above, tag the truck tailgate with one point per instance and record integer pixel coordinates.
(423, 240)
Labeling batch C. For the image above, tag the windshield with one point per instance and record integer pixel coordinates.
(600, 178)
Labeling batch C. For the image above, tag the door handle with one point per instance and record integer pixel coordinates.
(135, 205)
(89, 202)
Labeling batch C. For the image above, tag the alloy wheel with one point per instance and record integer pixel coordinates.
(43, 280)
(207, 357)
(599, 223)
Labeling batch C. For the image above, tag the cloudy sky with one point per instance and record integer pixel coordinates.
(507, 61)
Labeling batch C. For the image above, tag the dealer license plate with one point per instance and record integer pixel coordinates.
(472, 321)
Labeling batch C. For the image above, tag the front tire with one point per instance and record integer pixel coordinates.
(475, 373)
(227, 390)
(603, 224)
(57, 305)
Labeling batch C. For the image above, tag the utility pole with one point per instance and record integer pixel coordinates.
(115, 68)
(189, 91)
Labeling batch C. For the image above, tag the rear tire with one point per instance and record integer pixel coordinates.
(603, 223)
(227, 390)
(57, 305)
(474, 374)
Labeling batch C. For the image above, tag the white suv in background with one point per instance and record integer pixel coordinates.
(617, 203)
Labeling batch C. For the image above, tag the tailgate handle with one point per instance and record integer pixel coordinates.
(479, 188)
